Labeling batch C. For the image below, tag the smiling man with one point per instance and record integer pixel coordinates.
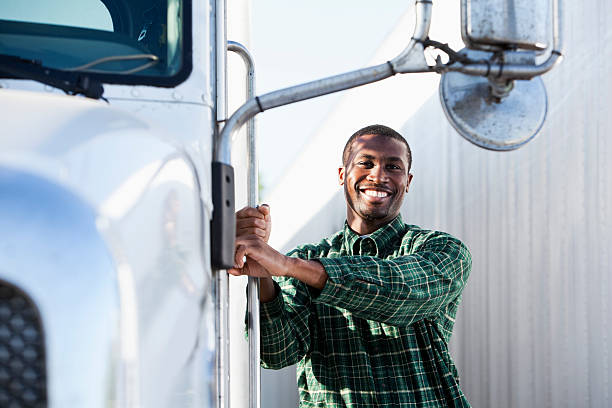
(368, 312)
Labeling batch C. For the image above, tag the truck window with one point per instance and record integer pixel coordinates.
(116, 41)
(84, 13)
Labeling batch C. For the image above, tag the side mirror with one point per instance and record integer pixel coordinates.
(492, 95)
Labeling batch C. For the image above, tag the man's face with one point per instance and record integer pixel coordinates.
(375, 179)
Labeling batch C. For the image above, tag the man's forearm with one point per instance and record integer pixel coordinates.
(310, 272)
(268, 262)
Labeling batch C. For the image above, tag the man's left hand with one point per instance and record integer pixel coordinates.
(262, 261)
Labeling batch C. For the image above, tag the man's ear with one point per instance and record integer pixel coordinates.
(409, 181)
(341, 175)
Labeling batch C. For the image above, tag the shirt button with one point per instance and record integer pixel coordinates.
(368, 247)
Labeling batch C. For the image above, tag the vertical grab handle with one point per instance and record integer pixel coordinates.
(252, 186)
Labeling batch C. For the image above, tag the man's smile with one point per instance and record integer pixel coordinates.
(375, 192)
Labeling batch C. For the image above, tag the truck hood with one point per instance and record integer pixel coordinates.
(85, 145)
(52, 124)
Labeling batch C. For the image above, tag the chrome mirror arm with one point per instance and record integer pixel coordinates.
(409, 60)
(412, 59)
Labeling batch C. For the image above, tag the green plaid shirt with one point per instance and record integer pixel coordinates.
(377, 334)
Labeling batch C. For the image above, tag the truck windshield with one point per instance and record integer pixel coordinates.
(114, 41)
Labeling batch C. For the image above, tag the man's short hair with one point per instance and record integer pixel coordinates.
(380, 130)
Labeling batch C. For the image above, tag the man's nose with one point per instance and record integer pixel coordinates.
(377, 174)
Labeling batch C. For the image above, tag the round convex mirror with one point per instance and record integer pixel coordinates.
(489, 122)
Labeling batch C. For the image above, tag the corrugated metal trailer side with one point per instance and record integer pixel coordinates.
(535, 328)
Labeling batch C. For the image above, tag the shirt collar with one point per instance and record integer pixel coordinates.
(382, 237)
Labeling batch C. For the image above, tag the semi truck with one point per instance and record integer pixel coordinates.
(118, 186)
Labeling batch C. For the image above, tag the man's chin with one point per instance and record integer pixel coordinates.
(374, 215)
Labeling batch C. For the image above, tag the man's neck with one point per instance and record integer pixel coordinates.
(365, 227)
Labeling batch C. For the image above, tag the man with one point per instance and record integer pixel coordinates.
(367, 313)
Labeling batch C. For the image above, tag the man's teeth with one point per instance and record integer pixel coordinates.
(374, 193)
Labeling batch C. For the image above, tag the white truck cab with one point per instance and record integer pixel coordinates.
(105, 202)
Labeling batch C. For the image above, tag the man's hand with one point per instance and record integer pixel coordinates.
(254, 221)
(272, 263)
(262, 261)
(253, 226)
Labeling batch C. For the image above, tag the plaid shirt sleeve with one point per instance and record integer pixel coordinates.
(285, 335)
(285, 330)
(402, 290)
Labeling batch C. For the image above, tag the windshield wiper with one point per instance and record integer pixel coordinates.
(73, 83)
(153, 59)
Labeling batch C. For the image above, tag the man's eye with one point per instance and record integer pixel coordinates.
(367, 164)
(394, 167)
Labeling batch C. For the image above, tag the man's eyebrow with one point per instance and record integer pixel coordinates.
(367, 156)
(393, 158)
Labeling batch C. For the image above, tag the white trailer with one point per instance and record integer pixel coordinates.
(117, 198)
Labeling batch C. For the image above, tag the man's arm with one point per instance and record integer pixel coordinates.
(399, 291)
(285, 331)
(402, 290)
(273, 263)
(253, 226)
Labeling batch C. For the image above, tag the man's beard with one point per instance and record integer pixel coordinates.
(371, 214)
(368, 213)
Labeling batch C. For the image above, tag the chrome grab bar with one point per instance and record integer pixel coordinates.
(252, 186)
(219, 274)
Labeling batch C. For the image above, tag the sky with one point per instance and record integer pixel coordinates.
(82, 13)
(300, 41)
